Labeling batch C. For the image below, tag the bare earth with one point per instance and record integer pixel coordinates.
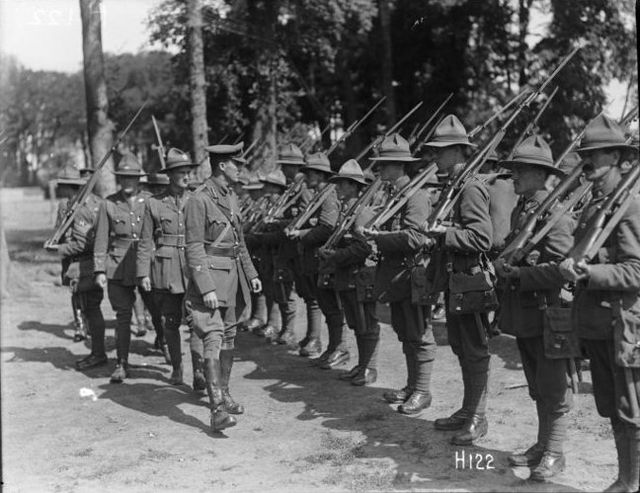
(304, 430)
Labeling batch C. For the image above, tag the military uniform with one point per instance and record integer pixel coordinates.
(463, 248)
(522, 314)
(218, 262)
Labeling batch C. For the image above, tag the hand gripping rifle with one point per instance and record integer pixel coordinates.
(312, 207)
(452, 192)
(530, 128)
(378, 140)
(87, 188)
(351, 128)
(280, 206)
(159, 146)
(352, 214)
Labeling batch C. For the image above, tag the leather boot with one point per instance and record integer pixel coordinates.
(312, 349)
(286, 338)
(402, 395)
(454, 422)
(366, 376)
(530, 458)
(368, 373)
(226, 363)
(270, 334)
(475, 427)
(91, 361)
(418, 402)
(253, 324)
(220, 417)
(336, 358)
(351, 374)
(80, 327)
(120, 372)
(550, 465)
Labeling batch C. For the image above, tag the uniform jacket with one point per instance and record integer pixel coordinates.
(398, 242)
(212, 221)
(117, 234)
(470, 235)
(350, 253)
(614, 282)
(522, 308)
(317, 231)
(77, 249)
(162, 243)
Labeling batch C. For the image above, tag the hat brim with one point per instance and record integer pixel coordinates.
(396, 159)
(253, 186)
(354, 178)
(267, 182)
(129, 173)
(508, 165)
(177, 166)
(622, 147)
(78, 182)
(313, 167)
(285, 161)
(448, 144)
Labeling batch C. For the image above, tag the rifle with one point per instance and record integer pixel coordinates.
(352, 214)
(399, 199)
(387, 133)
(610, 213)
(311, 208)
(532, 124)
(280, 206)
(453, 190)
(248, 149)
(159, 146)
(498, 112)
(628, 118)
(428, 122)
(87, 188)
(347, 133)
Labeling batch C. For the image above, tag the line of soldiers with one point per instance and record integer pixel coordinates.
(189, 248)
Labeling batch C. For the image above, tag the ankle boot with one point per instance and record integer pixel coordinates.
(176, 376)
(220, 417)
(475, 427)
(121, 371)
(418, 402)
(368, 373)
(226, 363)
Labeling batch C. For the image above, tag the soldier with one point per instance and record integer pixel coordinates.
(461, 249)
(312, 237)
(117, 235)
(606, 296)
(523, 310)
(161, 263)
(346, 262)
(222, 277)
(264, 248)
(398, 242)
(77, 272)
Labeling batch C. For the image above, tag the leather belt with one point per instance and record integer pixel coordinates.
(216, 251)
(170, 240)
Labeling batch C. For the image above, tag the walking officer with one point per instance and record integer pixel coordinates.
(461, 250)
(161, 264)
(523, 308)
(222, 277)
(398, 243)
(117, 234)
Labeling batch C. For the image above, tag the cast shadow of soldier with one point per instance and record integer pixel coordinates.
(413, 444)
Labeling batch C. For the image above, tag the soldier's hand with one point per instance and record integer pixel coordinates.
(437, 230)
(572, 271)
(50, 247)
(145, 283)
(583, 270)
(292, 234)
(210, 300)
(256, 285)
(370, 233)
(505, 270)
(101, 280)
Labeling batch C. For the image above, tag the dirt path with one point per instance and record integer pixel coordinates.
(303, 430)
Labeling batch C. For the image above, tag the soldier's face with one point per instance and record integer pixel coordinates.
(448, 157)
(230, 170)
(599, 162)
(346, 189)
(314, 178)
(390, 171)
(527, 179)
(180, 178)
(129, 184)
(290, 171)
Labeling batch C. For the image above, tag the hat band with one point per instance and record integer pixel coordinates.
(399, 153)
(603, 143)
(533, 158)
(450, 138)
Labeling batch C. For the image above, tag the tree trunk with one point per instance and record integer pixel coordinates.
(524, 9)
(387, 62)
(197, 86)
(99, 126)
(353, 145)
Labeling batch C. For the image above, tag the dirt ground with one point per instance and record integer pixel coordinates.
(303, 430)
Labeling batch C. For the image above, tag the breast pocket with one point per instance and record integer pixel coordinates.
(167, 224)
(121, 225)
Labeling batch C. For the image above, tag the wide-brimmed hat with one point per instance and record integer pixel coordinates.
(255, 183)
(449, 132)
(155, 179)
(603, 133)
(129, 166)
(70, 176)
(394, 148)
(533, 151)
(350, 170)
(226, 150)
(290, 154)
(318, 162)
(276, 177)
(177, 159)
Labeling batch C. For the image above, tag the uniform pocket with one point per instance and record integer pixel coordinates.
(220, 269)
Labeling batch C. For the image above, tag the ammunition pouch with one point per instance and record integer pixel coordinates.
(365, 282)
(420, 286)
(560, 341)
(626, 337)
(472, 293)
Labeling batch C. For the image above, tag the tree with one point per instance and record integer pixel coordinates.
(387, 61)
(99, 126)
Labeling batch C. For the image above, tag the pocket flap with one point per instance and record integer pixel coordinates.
(465, 283)
(220, 263)
(163, 252)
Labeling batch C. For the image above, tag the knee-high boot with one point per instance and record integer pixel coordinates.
(226, 363)
(220, 418)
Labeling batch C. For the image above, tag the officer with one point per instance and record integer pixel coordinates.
(523, 309)
(607, 297)
(461, 248)
(398, 243)
(117, 235)
(222, 277)
(265, 248)
(161, 263)
(76, 253)
(312, 236)
(347, 263)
